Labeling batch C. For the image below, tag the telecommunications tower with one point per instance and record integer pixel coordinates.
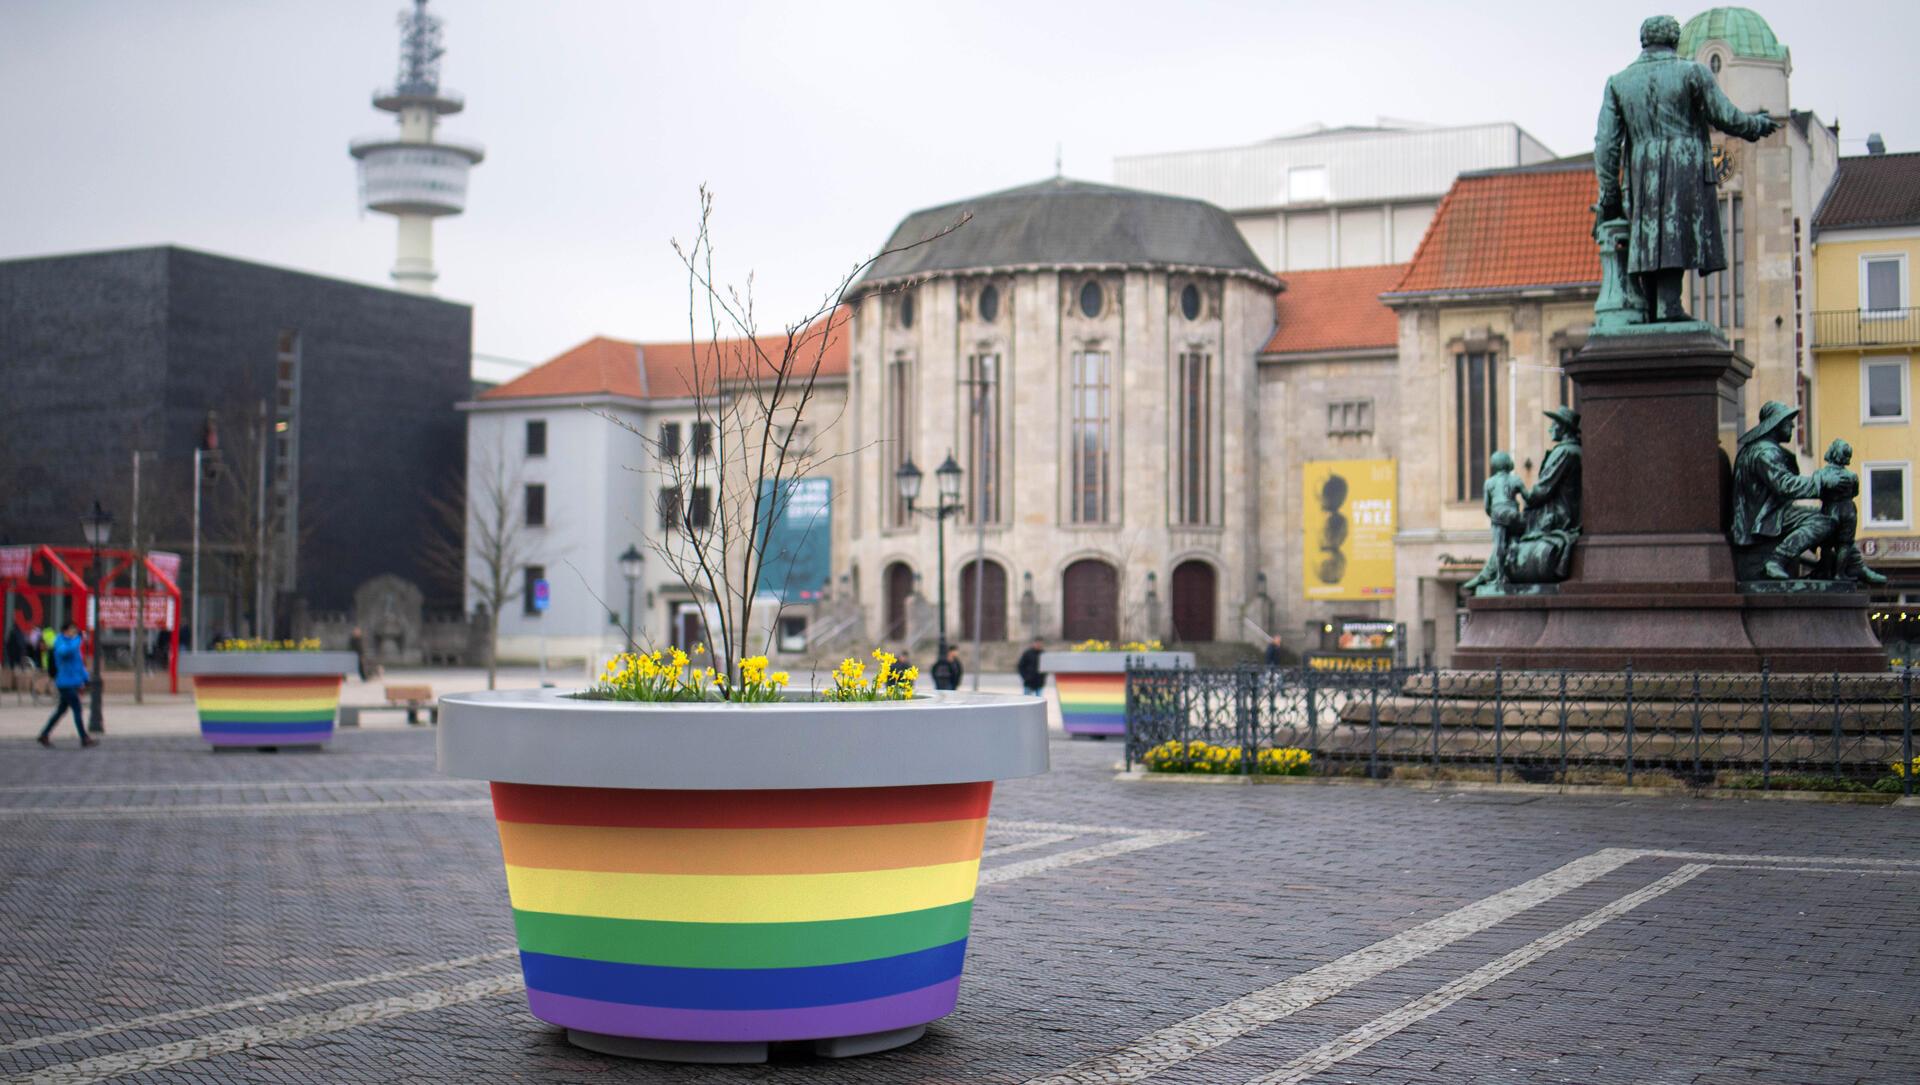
(415, 177)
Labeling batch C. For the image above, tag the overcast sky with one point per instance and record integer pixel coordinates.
(223, 124)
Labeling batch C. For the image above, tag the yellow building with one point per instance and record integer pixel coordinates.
(1866, 335)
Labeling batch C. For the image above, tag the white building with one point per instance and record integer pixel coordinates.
(1334, 197)
(569, 454)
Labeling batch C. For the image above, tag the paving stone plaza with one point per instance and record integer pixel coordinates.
(174, 914)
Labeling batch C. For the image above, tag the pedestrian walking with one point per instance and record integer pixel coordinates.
(947, 672)
(69, 677)
(1033, 680)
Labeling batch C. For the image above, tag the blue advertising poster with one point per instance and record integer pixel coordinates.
(798, 552)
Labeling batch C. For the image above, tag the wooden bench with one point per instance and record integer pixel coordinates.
(410, 699)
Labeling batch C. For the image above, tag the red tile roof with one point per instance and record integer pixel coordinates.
(1531, 226)
(604, 366)
(1336, 309)
(1873, 190)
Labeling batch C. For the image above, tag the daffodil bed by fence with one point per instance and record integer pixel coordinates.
(1207, 759)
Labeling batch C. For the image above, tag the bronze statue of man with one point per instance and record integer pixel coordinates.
(1653, 124)
(1766, 484)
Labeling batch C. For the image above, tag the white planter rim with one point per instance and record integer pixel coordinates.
(546, 736)
(1111, 662)
(246, 664)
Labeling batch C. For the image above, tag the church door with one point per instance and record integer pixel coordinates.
(899, 585)
(1193, 601)
(1090, 601)
(993, 604)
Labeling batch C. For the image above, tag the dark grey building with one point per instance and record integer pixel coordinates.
(333, 399)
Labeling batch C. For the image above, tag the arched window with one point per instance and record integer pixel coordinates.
(1193, 420)
(1195, 592)
(1090, 466)
(980, 413)
(1090, 601)
(992, 611)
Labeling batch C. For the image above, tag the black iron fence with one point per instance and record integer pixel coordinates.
(1765, 730)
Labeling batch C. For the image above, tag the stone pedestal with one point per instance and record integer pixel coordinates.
(1653, 582)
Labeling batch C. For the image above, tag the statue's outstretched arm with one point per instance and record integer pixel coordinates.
(1607, 144)
(1724, 115)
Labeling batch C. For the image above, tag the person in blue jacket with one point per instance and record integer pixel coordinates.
(69, 678)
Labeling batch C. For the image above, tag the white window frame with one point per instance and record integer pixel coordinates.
(1894, 313)
(1905, 362)
(1905, 467)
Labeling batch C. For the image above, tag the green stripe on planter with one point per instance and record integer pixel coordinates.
(250, 716)
(741, 945)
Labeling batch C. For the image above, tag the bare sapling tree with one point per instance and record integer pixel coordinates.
(752, 437)
(481, 541)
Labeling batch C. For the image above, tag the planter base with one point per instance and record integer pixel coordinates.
(840, 1047)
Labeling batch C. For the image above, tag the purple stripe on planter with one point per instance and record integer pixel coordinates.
(748, 1026)
(268, 738)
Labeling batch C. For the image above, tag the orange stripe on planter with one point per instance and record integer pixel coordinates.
(268, 681)
(815, 807)
(821, 850)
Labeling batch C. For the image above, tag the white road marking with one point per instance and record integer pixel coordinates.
(103, 1067)
(1737, 857)
(1025, 842)
(1176, 1043)
(236, 809)
(1349, 1044)
(1820, 869)
(287, 995)
(1151, 839)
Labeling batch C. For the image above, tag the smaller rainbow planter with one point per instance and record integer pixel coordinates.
(695, 882)
(267, 699)
(1092, 686)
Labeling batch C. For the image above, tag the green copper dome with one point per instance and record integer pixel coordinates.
(1741, 28)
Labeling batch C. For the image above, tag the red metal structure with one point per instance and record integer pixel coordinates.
(35, 575)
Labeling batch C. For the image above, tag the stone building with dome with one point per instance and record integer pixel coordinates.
(1085, 354)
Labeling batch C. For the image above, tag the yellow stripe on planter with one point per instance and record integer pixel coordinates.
(740, 898)
(214, 703)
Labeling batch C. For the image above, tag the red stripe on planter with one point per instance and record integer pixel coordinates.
(815, 807)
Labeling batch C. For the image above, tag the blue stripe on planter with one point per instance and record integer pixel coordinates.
(742, 989)
(265, 727)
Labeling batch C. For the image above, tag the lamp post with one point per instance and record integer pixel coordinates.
(947, 477)
(96, 526)
(631, 564)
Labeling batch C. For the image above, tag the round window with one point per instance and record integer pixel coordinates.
(906, 310)
(1090, 298)
(1190, 302)
(989, 304)
(1714, 63)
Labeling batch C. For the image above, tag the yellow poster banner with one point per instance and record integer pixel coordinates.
(1349, 517)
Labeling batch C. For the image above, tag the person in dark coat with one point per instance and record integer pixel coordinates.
(947, 672)
(1033, 680)
(1276, 652)
(69, 678)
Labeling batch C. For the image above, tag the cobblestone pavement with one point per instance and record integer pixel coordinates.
(168, 914)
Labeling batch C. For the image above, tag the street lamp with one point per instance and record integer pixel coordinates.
(947, 479)
(631, 563)
(95, 527)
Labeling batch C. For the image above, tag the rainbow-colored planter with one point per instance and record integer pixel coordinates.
(808, 876)
(267, 699)
(1092, 686)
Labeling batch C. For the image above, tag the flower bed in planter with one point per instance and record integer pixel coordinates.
(1092, 686)
(267, 698)
(698, 880)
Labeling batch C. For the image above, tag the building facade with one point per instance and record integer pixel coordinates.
(1085, 354)
(338, 393)
(1866, 331)
(615, 447)
(1334, 197)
